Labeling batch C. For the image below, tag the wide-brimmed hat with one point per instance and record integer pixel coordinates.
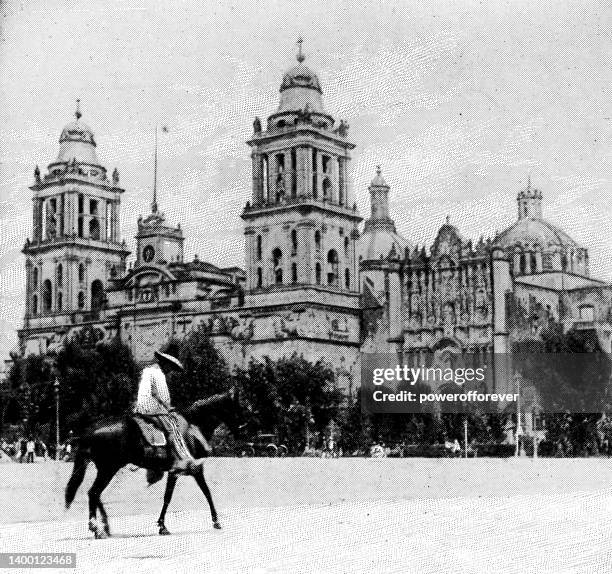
(169, 360)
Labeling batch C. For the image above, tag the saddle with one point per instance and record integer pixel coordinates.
(151, 434)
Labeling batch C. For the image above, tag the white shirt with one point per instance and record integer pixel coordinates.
(152, 382)
(30, 446)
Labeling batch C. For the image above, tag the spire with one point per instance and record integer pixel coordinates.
(154, 202)
(300, 55)
(379, 198)
(78, 113)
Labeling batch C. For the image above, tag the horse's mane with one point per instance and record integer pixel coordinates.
(201, 406)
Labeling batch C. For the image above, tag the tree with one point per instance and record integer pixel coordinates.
(205, 373)
(95, 380)
(290, 396)
(571, 374)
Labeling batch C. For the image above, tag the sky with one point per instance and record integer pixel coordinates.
(459, 102)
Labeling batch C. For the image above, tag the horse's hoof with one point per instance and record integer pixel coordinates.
(216, 525)
(163, 531)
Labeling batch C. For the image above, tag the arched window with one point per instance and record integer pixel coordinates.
(523, 264)
(277, 264)
(81, 300)
(294, 242)
(563, 262)
(347, 278)
(532, 262)
(47, 296)
(94, 229)
(259, 251)
(346, 246)
(318, 273)
(259, 277)
(332, 267)
(60, 275)
(317, 240)
(35, 278)
(294, 272)
(60, 301)
(81, 273)
(97, 295)
(35, 305)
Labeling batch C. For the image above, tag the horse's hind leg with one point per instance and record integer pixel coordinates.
(103, 477)
(199, 478)
(170, 484)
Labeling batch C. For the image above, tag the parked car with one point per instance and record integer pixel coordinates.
(265, 445)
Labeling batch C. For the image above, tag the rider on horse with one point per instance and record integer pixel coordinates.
(154, 403)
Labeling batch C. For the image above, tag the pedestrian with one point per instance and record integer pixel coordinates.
(22, 449)
(43, 449)
(30, 445)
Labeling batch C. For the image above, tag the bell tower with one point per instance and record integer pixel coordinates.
(75, 249)
(156, 242)
(302, 222)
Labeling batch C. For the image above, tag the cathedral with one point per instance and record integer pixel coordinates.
(316, 281)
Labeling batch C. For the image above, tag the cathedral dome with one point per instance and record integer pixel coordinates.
(529, 232)
(376, 242)
(300, 89)
(77, 142)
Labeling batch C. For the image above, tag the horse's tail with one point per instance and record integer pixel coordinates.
(78, 474)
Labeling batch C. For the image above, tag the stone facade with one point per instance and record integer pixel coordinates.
(313, 283)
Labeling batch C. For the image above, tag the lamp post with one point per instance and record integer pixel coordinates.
(56, 386)
(535, 435)
(519, 430)
(465, 433)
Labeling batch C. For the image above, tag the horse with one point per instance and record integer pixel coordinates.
(113, 444)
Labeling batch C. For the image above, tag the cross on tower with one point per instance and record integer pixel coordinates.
(300, 56)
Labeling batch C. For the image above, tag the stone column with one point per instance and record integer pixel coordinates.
(538, 261)
(37, 219)
(305, 253)
(302, 175)
(315, 159)
(249, 255)
(342, 188)
(258, 172)
(502, 284)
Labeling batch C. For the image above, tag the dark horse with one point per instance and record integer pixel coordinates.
(111, 445)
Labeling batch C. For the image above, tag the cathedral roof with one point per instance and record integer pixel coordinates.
(300, 89)
(377, 243)
(77, 142)
(531, 231)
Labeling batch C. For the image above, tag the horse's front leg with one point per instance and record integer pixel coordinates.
(170, 484)
(199, 478)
